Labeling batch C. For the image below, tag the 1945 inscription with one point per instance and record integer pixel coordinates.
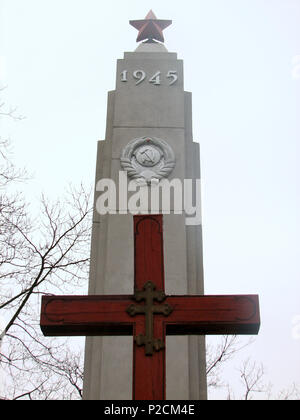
(139, 76)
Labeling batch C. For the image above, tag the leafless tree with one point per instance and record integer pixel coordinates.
(45, 254)
(8, 111)
(252, 377)
(253, 384)
(218, 354)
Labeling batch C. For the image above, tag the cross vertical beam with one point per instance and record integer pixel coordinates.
(149, 373)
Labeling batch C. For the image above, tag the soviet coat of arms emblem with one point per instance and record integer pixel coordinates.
(148, 158)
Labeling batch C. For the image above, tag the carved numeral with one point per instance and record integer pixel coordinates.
(155, 79)
(124, 76)
(172, 75)
(139, 75)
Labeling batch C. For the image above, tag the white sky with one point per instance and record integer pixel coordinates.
(242, 64)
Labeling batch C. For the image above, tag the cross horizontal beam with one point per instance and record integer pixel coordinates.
(107, 315)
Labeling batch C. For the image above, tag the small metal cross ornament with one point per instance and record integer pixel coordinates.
(149, 294)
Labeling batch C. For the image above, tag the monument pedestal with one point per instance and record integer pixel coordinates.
(149, 102)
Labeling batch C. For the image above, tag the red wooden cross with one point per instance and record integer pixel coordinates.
(149, 314)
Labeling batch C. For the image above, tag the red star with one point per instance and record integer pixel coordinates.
(150, 28)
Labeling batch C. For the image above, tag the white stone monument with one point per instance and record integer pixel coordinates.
(149, 138)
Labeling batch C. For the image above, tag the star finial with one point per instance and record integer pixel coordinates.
(150, 28)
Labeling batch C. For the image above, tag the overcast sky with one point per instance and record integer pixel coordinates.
(242, 64)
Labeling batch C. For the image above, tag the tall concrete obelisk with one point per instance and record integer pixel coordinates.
(149, 136)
